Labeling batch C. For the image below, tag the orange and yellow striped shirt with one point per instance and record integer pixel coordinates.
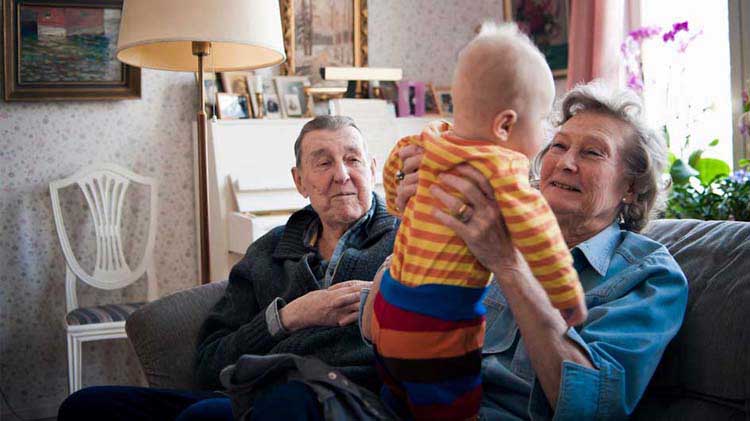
(427, 252)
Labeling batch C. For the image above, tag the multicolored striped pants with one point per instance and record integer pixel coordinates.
(428, 348)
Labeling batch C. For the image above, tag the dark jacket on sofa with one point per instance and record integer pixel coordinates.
(279, 264)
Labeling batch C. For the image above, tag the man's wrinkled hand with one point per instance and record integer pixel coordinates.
(336, 306)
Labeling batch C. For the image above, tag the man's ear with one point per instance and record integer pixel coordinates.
(503, 123)
(373, 168)
(298, 182)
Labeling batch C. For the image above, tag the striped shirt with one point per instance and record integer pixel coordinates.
(428, 252)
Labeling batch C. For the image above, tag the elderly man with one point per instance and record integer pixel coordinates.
(296, 290)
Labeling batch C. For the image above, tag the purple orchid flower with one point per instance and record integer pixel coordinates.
(680, 26)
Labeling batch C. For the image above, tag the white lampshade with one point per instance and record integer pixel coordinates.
(158, 34)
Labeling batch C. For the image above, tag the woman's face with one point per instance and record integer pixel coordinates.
(582, 175)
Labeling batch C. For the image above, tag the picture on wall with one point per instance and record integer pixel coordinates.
(319, 33)
(546, 23)
(65, 50)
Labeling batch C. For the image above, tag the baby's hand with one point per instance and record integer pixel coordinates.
(574, 316)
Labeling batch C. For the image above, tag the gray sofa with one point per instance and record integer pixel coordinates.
(704, 374)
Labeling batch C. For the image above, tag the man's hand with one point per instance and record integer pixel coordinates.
(336, 306)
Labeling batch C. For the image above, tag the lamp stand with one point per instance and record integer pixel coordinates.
(202, 49)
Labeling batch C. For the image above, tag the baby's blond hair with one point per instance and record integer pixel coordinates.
(500, 68)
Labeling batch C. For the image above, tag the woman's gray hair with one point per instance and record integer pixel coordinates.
(645, 152)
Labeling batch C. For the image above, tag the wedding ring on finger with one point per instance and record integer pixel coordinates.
(400, 175)
(463, 213)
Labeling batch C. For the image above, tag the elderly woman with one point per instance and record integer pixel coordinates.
(601, 175)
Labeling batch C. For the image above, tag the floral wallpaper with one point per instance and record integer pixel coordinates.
(41, 142)
(423, 37)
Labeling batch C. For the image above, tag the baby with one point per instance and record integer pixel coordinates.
(428, 324)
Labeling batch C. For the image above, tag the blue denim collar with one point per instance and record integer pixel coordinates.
(355, 237)
(599, 249)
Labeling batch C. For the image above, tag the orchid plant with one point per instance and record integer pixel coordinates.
(703, 187)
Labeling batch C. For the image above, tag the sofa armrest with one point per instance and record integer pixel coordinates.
(164, 333)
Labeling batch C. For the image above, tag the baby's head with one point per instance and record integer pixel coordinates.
(502, 89)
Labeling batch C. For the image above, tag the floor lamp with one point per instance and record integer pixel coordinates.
(178, 35)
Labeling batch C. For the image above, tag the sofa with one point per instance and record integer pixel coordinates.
(704, 373)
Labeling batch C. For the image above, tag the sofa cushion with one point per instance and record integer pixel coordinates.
(709, 359)
(164, 332)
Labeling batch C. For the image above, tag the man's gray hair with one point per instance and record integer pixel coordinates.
(323, 122)
(644, 154)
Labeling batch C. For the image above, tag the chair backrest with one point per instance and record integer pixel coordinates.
(104, 187)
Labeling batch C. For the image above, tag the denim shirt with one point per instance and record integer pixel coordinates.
(636, 295)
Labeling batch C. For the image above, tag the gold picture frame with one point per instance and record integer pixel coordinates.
(37, 31)
(290, 30)
(552, 37)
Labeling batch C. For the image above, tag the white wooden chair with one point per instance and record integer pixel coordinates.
(104, 187)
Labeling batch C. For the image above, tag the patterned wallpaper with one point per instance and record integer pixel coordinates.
(423, 37)
(40, 142)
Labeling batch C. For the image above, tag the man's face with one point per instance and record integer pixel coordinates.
(336, 175)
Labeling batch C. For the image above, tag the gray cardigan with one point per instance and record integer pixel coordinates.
(279, 264)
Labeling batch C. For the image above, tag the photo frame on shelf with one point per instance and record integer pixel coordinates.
(430, 100)
(211, 86)
(546, 23)
(444, 101)
(236, 82)
(318, 35)
(411, 98)
(232, 106)
(65, 50)
(271, 105)
(255, 86)
(291, 91)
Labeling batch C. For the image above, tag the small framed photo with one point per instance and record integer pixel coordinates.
(411, 98)
(235, 82)
(444, 101)
(271, 105)
(291, 90)
(232, 106)
(211, 86)
(430, 100)
(254, 86)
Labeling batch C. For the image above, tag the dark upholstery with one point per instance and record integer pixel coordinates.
(705, 371)
(164, 332)
(704, 374)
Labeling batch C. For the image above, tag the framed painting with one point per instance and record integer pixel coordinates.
(319, 33)
(65, 50)
(546, 23)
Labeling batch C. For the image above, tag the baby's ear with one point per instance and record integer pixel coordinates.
(503, 123)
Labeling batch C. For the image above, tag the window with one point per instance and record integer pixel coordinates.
(690, 90)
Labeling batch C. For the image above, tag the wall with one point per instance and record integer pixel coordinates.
(424, 36)
(40, 142)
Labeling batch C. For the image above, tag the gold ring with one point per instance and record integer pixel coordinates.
(461, 214)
